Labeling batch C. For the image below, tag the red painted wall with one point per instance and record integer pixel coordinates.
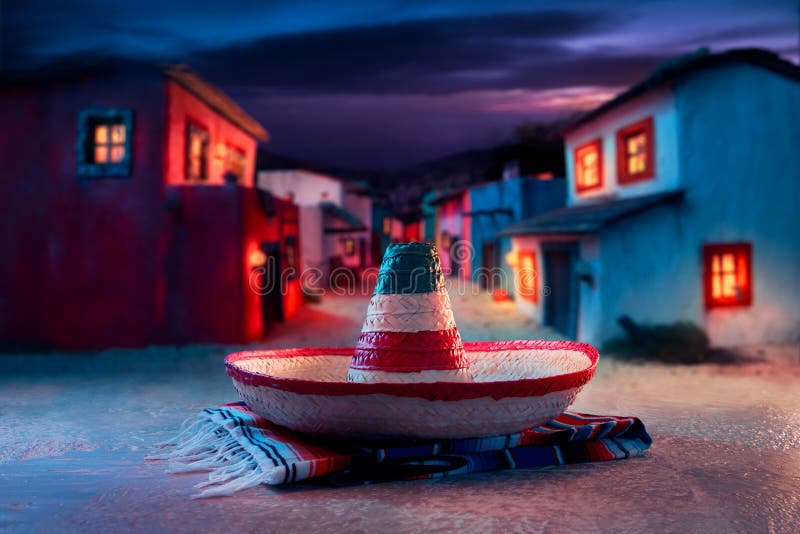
(78, 251)
(184, 107)
(102, 262)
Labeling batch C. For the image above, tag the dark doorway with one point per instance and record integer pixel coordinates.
(561, 287)
(271, 298)
(362, 252)
(489, 263)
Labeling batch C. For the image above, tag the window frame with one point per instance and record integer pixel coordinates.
(741, 251)
(534, 294)
(643, 126)
(192, 127)
(597, 144)
(85, 144)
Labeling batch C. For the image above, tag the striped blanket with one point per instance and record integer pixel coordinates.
(241, 450)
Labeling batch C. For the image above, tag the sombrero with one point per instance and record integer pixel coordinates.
(410, 376)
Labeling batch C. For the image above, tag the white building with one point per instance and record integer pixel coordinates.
(682, 205)
(331, 235)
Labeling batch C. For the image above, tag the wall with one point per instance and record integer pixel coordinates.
(450, 218)
(79, 269)
(306, 187)
(361, 207)
(523, 197)
(741, 168)
(660, 105)
(745, 149)
(184, 107)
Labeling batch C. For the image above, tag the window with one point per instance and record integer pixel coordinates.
(589, 166)
(349, 247)
(528, 276)
(635, 147)
(387, 225)
(196, 153)
(235, 165)
(728, 275)
(104, 142)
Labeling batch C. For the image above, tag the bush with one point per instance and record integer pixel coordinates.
(672, 343)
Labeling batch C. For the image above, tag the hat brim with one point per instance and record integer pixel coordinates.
(517, 384)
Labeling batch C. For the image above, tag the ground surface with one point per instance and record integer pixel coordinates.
(74, 429)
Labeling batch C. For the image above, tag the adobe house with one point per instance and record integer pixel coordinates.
(494, 206)
(682, 196)
(333, 216)
(128, 212)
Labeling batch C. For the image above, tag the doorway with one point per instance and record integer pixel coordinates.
(272, 297)
(561, 287)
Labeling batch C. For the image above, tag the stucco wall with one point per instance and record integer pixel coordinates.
(741, 169)
(184, 107)
(740, 143)
(307, 188)
(660, 105)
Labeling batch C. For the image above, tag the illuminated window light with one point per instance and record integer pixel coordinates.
(728, 275)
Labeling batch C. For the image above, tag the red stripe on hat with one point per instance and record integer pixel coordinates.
(409, 351)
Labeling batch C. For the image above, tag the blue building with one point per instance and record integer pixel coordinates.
(496, 205)
(683, 196)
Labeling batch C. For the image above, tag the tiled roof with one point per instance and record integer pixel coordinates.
(681, 66)
(589, 217)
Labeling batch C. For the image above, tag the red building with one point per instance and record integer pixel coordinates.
(128, 214)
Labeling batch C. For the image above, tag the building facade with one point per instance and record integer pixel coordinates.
(132, 219)
(682, 196)
(496, 205)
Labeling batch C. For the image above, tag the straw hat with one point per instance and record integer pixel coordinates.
(410, 375)
(409, 334)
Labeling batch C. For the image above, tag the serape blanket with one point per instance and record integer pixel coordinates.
(241, 449)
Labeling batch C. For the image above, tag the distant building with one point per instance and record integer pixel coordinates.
(129, 215)
(334, 218)
(682, 206)
(496, 205)
(453, 231)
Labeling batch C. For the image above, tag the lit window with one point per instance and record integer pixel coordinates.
(104, 142)
(196, 153)
(387, 225)
(728, 275)
(349, 247)
(109, 143)
(528, 276)
(635, 146)
(589, 166)
(235, 165)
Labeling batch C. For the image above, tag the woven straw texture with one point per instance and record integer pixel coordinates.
(515, 385)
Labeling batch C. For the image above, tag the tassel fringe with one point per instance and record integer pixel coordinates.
(204, 445)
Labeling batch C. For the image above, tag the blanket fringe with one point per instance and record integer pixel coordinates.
(204, 445)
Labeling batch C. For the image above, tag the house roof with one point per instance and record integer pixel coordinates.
(214, 97)
(679, 67)
(589, 217)
(351, 223)
(444, 196)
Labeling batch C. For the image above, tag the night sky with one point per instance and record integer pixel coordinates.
(386, 83)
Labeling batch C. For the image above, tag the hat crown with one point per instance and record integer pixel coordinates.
(409, 333)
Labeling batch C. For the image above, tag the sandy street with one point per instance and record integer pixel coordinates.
(74, 429)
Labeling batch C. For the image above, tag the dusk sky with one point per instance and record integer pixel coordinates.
(382, 84)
